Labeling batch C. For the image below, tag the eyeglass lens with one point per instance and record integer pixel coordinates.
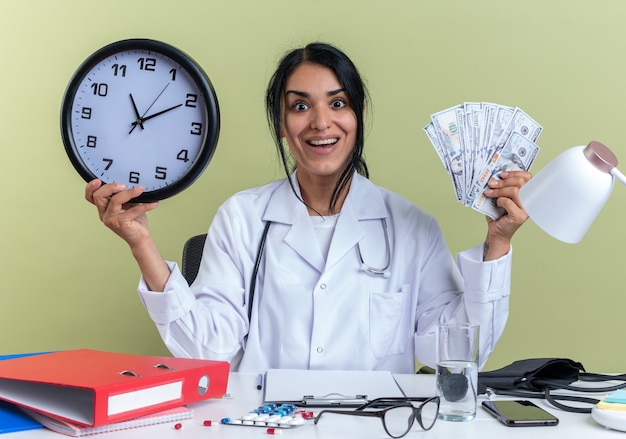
(398, 420)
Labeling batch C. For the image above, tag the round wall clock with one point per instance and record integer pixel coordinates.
(140, 112)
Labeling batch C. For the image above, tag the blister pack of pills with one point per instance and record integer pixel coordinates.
(272, 415)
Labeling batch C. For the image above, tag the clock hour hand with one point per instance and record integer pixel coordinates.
(139, 121)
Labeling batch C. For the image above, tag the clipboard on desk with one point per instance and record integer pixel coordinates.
(328, 388)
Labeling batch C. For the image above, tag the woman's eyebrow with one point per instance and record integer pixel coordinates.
(336, 92)
(304, 94)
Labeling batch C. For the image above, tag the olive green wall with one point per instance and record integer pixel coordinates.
(68, 282)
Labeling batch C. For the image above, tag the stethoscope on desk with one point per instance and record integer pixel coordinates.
(374, 271)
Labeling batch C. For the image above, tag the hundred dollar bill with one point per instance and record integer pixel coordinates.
(519, 122)
(448, 131)
(499, 122)
(432, 136)
(461, 118)
(474, 124)
(489, 112)
(522, 123)
(518, 153)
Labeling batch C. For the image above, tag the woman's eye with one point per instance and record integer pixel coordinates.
(338, 103)
(300, 106)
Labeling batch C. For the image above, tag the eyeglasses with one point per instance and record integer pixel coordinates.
(396, 414)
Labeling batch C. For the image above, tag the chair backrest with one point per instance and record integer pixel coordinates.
(192, 253)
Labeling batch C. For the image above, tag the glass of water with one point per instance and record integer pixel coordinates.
(457, 370)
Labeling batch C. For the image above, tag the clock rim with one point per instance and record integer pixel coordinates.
(197, 74)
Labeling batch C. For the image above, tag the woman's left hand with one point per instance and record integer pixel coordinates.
(500, 231)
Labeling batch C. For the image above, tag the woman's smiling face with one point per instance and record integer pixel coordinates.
(318, 121)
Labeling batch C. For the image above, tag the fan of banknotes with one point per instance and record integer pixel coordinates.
(478, 140)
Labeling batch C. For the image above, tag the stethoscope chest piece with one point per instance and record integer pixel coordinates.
(376, 271)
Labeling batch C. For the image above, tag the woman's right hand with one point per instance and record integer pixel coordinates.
(126, 219)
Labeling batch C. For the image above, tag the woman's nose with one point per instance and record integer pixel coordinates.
(321, 119)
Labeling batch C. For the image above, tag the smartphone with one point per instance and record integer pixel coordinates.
(519, 413)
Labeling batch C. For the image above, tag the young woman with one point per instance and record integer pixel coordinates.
(349, 276)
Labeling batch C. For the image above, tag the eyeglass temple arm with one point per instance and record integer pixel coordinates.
(346, 412)
(381, 403)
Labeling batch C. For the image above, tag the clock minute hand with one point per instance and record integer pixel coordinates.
(143, 119)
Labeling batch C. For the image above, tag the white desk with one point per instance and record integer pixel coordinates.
(245, 396)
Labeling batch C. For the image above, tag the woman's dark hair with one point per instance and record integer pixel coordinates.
(338, 62)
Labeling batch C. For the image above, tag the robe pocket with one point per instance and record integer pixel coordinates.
(389, 322)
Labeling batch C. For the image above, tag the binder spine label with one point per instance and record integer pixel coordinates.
(137, 399)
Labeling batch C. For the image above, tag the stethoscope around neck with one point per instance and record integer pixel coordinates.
(373, 271)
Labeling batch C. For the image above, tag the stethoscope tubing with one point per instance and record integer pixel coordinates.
(374, 271)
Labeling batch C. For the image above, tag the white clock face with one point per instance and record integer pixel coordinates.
(140, 118)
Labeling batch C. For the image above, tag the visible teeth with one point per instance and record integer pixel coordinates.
(323, 142)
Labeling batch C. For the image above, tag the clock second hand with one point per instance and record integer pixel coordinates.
(141, 119)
